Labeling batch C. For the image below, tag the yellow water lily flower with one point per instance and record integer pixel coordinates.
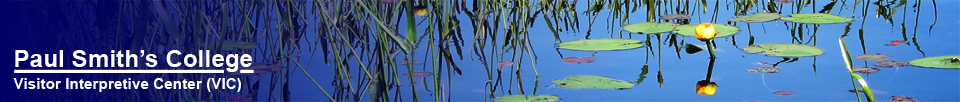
(705, 32)
(706, 88)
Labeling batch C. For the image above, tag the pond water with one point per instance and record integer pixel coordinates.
(672, 74)
(928, 30)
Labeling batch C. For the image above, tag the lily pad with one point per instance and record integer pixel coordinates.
(757, 17)
(723, 29)
(784, 50)
(816, 18)
(901, 99)
(601, 44)
(865, 70)
(946, 62)
(764, 69)
(784, 92)
(873, 57)
(522, 98)
(592, 82)
(649, 27)
(891, 63)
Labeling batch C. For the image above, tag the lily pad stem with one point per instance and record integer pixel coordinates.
(710, 48)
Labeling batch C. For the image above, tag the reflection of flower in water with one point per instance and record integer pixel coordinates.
(705, 87)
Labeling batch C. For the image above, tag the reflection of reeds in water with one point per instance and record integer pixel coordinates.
(362, 39)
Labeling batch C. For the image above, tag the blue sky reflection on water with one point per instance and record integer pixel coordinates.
(830, 81)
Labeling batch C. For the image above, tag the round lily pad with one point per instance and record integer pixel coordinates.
(601, 44)
(522, 98)
(592, 82)
(873, 57)
(723, 29)
(649, 27)
(947, 62)
(784, 50)
(764, 70)
(816, 18)
(891, 63)
(757, 17)
(866, 70)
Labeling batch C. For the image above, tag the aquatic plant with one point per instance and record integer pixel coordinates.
(901, 99)
(784, 92)
(592, 82)
(764, 70)
(873, 57)
(531, 98)
(757, 17)
(650, 27)
(816, 18)
(784, 50)
(890, 63)
(944, 62)
(865, 70)
(854, 78)
(601, 44)
(720, 30)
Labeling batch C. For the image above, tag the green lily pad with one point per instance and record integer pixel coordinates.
(601, 44)
(946, 62)
(723, 29)
(592, 82)
(757, 17)
(816, 18)
(764, 70)
(784, 50)
(873, 57)
(649, 27)
(521, 98)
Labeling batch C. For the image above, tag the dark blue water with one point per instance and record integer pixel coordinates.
(817, 78)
